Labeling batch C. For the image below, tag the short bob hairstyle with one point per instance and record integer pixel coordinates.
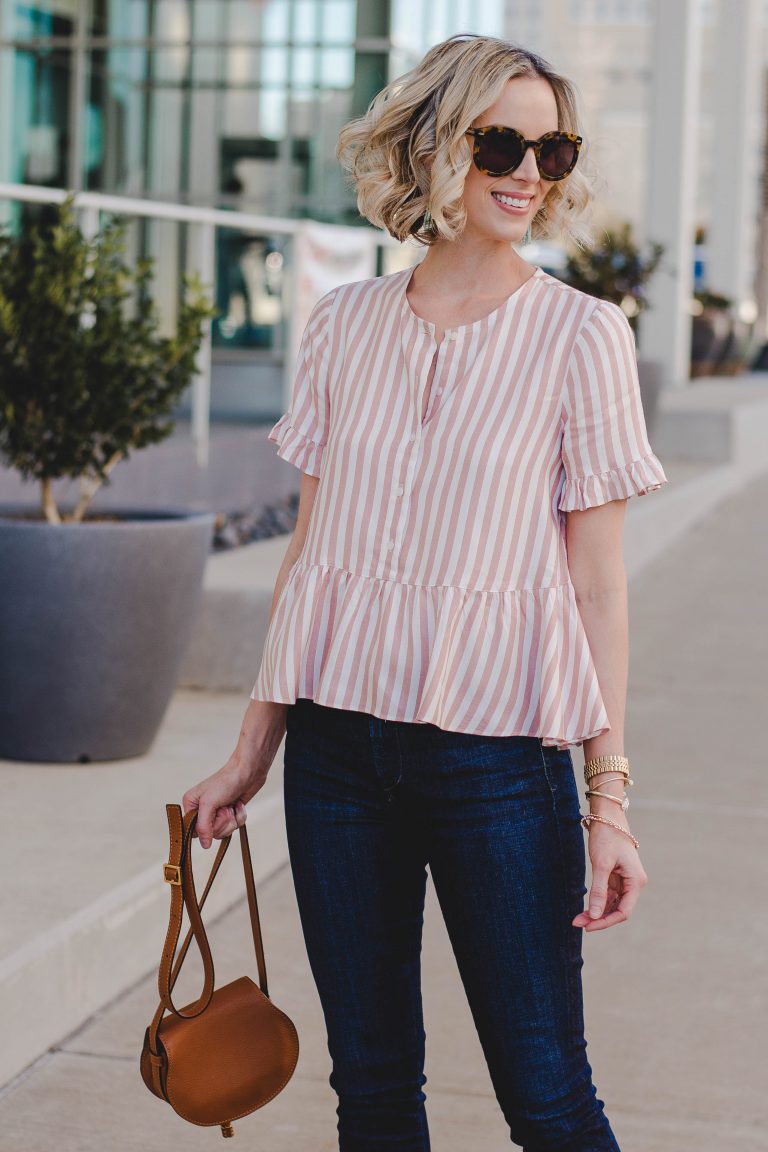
(408, 155)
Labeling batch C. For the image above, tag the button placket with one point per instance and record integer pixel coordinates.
(450, 339)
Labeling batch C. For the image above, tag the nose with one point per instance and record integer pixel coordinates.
(527, 169)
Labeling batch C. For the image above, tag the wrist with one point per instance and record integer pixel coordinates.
(602, 806)
(608, 797)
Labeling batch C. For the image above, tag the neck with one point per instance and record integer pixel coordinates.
(472, 267)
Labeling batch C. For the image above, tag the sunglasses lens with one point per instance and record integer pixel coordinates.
(499, 152)
(557, 157)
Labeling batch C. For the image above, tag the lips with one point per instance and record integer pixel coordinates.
(524, 202)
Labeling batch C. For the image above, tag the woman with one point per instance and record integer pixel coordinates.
(451, 614)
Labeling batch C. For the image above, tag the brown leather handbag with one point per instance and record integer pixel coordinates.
(233, 1050)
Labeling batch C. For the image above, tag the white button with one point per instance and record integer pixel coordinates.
(412, 437)
(390, 545)
(400, 491)
(439, 390)
(451, 335)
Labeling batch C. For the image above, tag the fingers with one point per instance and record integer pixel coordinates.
(613, 913)
(613, 895)
(598, 895)
(220, 822)
(219, 805)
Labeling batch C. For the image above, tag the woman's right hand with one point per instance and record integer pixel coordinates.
(220, 799)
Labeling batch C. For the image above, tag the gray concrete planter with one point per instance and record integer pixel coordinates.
(95, 619)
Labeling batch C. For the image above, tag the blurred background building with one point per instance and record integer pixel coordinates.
(237, 104)
(219, 103)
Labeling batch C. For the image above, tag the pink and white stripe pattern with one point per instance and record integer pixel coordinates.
(433, 584)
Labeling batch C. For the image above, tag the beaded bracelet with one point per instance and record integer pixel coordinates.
(604, 820)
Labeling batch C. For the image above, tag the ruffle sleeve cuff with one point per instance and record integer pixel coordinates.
(633, 479)
(296, 448)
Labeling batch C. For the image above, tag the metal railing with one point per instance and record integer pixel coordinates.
(205, 221)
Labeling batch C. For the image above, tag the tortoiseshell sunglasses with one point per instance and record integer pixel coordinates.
(498, 150)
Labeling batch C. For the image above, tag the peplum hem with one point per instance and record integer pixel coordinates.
(296, 448)
(491, 662)
(633, 479)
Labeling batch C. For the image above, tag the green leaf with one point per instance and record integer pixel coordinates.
(75, 393)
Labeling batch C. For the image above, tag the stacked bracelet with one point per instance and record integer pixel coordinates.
(597, 765)
(622, 800)
(604, 820)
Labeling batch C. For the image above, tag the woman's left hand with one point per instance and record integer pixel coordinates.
(617, 879)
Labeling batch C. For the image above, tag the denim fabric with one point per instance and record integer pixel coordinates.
(370, 803)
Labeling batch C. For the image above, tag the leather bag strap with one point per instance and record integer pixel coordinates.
(178, 873)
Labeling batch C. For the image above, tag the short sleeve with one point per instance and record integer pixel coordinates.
(606, 454)
(301, 432)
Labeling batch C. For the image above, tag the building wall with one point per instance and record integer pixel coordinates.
(605, 47)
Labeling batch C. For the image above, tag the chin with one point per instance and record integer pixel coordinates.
(512, 233)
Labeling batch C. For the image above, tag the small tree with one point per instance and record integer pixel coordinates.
(615, 270)
(85, 376)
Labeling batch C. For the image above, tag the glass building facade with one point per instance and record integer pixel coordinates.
(233, 104)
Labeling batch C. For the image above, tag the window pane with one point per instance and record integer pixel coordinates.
(337, 67)
(242, 19)
(207, 17)
(304, 60)
(169, 65)
(249, 289)
(241, 66)
(274, 65)
(272, 104)
(205, 65)
(274, 21)
(305, 27)
(338, 20)
(172, 20)
(27, 22)
(41, 87)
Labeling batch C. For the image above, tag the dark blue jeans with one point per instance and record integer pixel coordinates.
(369, 804)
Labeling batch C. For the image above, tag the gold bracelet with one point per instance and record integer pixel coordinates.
(598, 764)
(622, 800)
(612, 763)
(611, 779)
(604, 820)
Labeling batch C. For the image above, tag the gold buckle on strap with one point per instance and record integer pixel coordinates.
(172, 874)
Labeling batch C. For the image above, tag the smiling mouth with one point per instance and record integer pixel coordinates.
(519, 202)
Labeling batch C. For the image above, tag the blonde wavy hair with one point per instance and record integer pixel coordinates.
(407, 157)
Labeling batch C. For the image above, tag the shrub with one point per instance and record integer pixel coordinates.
(85, 376)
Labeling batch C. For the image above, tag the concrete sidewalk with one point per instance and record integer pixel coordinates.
(675, 999)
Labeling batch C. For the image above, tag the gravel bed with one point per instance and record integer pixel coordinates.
(233, 529)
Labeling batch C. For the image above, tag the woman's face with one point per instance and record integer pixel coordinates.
(528, 104)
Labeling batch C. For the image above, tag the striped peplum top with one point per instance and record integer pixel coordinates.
(433, 583)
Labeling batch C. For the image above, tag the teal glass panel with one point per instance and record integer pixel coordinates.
(274, 65)
(337, 67)
(35, 149)
(250, 283)
(303, 67)
(306, 21)
(337, 21)
(275, 22)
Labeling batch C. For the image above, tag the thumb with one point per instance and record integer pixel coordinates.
(598, 893)
(192, 802)
(204, 827)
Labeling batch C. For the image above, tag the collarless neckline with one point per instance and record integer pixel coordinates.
(537, 274)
